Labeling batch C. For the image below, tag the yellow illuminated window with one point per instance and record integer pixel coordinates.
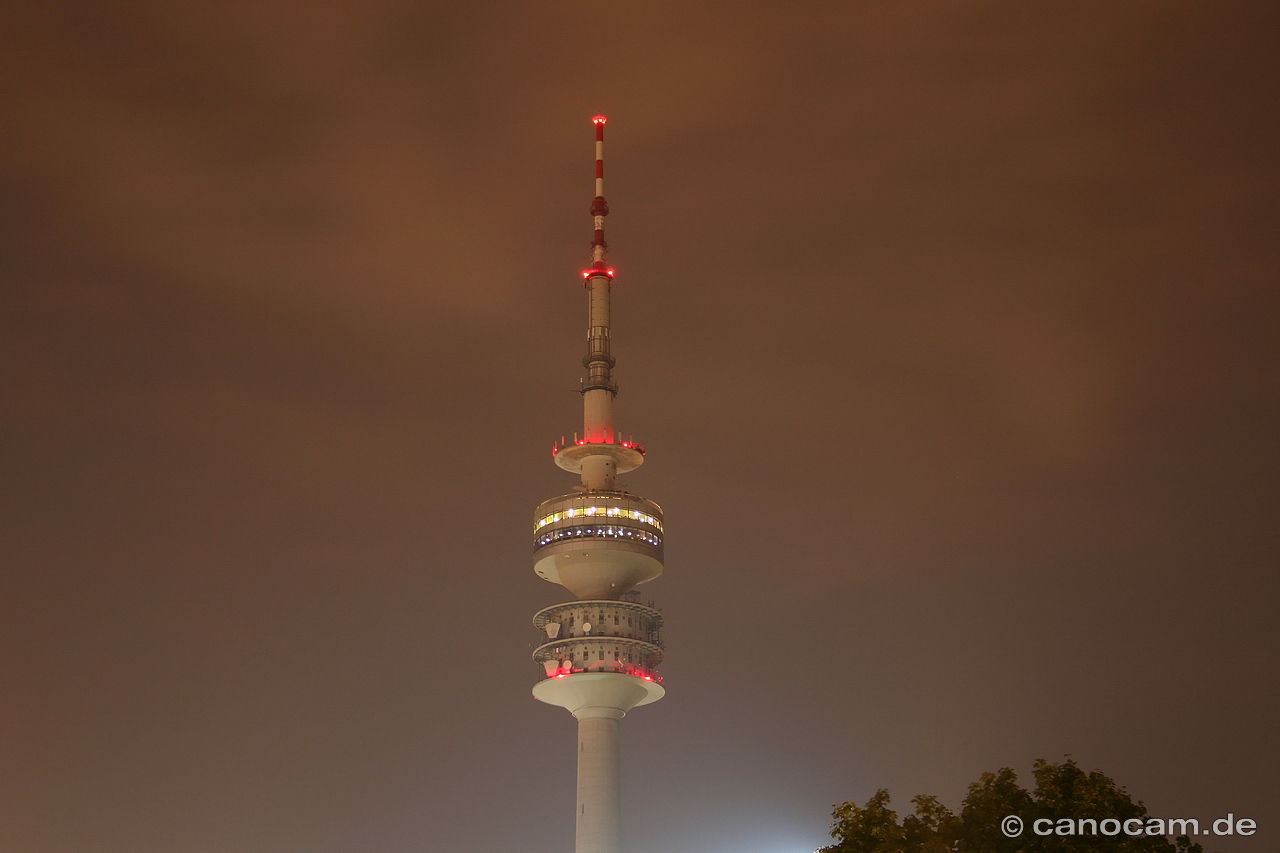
(616, 512)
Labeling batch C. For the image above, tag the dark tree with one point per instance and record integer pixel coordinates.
(1069, 803)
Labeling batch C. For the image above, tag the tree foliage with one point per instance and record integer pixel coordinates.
(1062, 791)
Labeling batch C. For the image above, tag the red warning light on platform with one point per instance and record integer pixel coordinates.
(599, 120)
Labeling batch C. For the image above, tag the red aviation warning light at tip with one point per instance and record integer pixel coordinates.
(599, 210)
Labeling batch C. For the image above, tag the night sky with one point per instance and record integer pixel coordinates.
(950, 328)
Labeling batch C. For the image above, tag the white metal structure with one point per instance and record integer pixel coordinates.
(601, 650)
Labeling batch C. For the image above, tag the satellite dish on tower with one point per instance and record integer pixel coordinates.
(586, 627)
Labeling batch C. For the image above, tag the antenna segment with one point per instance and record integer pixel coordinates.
(599, 207)
(600, 457)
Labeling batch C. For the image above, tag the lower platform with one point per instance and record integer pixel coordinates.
(598, 694)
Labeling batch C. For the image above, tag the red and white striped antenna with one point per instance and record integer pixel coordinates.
(599, 210)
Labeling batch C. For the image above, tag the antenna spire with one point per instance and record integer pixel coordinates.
(599, 207)
(599, 390)
(601, 455)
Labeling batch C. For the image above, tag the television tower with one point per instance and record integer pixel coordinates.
(598, 542)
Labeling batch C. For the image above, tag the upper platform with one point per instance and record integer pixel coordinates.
(627, 455)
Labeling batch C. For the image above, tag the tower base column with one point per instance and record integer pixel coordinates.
(599, 793)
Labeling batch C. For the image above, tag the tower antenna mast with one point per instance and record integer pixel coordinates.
(599, 391)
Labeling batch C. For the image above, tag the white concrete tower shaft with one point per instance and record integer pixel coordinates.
(599, 826)
(599, 542)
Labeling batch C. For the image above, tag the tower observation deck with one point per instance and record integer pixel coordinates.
(600, 652)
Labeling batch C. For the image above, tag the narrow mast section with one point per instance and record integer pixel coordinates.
(599, 456)
(599, 391)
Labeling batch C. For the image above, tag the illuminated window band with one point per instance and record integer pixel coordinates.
(608, 512)
(608, 531)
